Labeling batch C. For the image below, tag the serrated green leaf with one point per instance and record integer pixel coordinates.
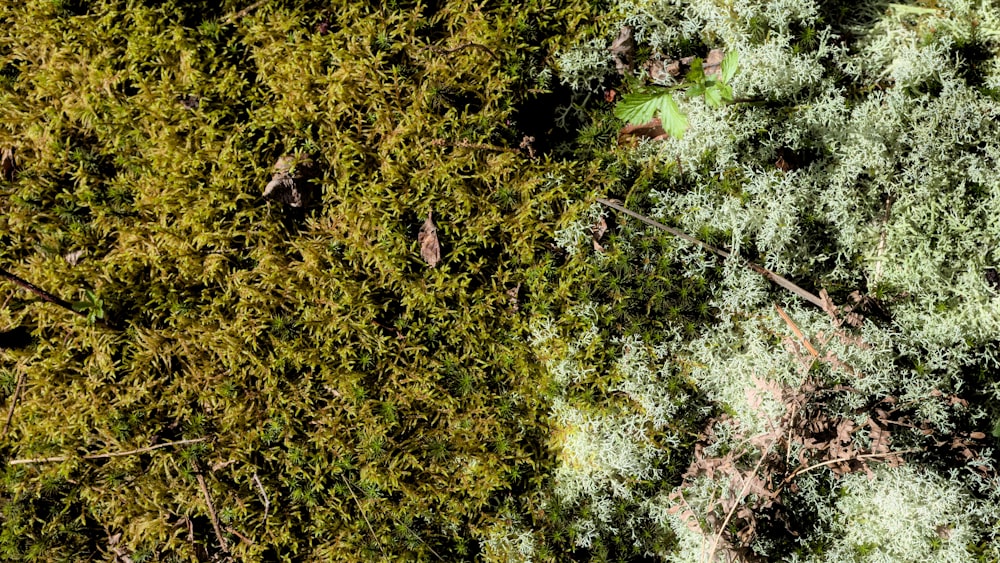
(726, 91)
(730, 63)
(713, 96)
(695, 90)
(641, 107)
(674, 122)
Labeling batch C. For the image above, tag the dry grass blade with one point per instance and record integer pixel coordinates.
(747, 483)
(363, 515)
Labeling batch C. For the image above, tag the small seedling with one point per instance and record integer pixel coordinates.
(640, 107)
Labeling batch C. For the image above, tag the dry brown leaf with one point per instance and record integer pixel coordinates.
(512, 297)
(286, 183)
(8, 165)
(630, 134)
(713, 62)
(880, 438)
(597, 233)
(623, 50)
(430, 249)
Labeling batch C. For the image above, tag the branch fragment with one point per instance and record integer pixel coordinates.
(61, 458)
(773, 277)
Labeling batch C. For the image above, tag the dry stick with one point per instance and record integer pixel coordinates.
(211, 513)
(234, 532)
(469, 45)
(241, 13)
(775, 278)
(795, 329)
(13, 403)
(46, 296)
(362, 510)
(62, 458)
(798, 472)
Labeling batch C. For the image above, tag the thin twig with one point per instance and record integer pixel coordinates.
(362, 510)
(44, 295)
(241, 13)
(739, 499)
(263, 494)
(421, 540)
(466, 144)
(61, 458)
(48, 297)
(211, 513)
(798, 472)
(236, 533)
(775, 278)
(463, 46)
(791, 324)
(13, 403)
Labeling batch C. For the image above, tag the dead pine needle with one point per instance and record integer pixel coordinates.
(798, 472)
(243, 538)
(232, 18)
(795, 328)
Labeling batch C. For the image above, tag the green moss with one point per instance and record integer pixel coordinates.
(357, 398)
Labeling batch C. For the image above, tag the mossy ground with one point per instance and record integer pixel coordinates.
(357, 404)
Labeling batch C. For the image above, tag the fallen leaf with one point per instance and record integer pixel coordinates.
(623, 49)
(7, 164)
(609, 95)
(73, 258)
(286, 183)
(597, 233)
(512, 297)
(977, 436)
(713, 62)
(630, 134)
(661, 71)
(430, 249)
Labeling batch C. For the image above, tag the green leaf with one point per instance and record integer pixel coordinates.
(713, 96)
(641, 107)
(730, 64)
(726, 91)
(696, 74)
